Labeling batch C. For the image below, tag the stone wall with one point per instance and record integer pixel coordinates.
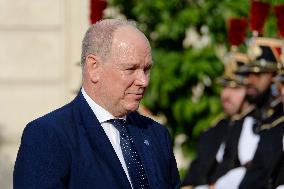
(39, 65)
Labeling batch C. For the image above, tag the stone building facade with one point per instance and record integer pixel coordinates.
(39, 65)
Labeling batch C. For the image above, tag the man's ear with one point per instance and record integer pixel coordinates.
(92, 67)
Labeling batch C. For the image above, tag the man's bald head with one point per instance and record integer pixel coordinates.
(99, 37)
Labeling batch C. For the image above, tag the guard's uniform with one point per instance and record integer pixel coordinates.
(266, 112)
(266, 171)
(202, 167)
(210, 146)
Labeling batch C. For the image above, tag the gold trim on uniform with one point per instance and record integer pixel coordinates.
(242, 114)
(187, 187)
(273, 124)
(218, 119)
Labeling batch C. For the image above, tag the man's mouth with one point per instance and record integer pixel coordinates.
(138, 96)
(251, 90)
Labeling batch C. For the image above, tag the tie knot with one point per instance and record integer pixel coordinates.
(119, 124)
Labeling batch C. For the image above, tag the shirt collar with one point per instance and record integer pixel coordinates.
(101, 114)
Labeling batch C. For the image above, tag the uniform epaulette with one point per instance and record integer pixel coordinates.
(273, 124)
(274, 105)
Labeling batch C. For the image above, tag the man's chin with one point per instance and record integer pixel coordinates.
(132, 107)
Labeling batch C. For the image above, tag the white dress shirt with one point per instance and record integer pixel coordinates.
(112, 133)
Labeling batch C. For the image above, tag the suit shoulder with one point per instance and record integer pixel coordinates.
(44, 125)
(49, 130)
(49, 119)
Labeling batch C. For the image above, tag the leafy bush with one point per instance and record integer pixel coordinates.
(186, 37)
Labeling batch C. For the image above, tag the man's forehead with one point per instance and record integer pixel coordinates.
(130, 44)
(128, 33)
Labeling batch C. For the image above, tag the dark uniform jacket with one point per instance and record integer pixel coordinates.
(266, 165)
(203, 166)
(280, 177)
(231, 159)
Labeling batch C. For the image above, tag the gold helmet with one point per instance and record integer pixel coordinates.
(265, 55)
(233, 62)
(234, 59)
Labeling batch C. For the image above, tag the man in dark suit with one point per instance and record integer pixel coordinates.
(99, 140)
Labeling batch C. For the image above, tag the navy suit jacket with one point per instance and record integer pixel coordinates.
(68, 148)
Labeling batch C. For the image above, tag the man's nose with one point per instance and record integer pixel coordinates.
(252, 78)
(142, 79)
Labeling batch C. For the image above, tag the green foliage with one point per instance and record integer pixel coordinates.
(182, 79)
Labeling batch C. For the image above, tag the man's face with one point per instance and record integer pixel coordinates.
(124, 76)
(232, 99)
(258, 84)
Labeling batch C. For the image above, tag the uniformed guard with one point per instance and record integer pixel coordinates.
(210, 147)
(265, 54)
(267, 168)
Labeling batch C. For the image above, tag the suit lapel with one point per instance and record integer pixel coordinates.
(142, 142)
(99, 141)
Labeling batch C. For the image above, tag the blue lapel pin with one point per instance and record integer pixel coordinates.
(146, 142)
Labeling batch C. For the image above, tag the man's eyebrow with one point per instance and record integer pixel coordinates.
(149, 65)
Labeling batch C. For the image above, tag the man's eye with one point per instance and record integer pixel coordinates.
(130, 70)
(147, 71)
